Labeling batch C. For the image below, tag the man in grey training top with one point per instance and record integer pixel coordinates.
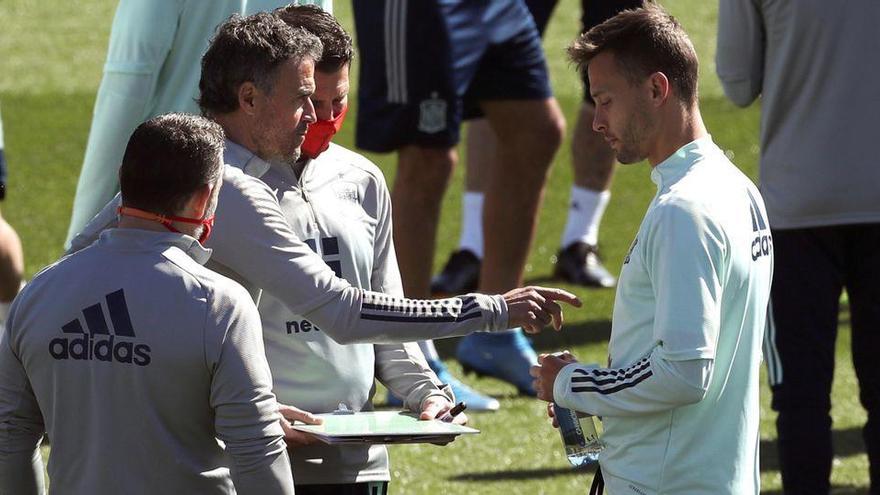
(133, 357)
(257, 87)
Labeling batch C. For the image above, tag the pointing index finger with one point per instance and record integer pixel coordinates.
(554, 294)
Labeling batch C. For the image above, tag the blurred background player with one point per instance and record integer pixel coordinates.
(422, 71)
(133, 357)
(577, 261)
(152, 68)
(819, 175)
(11, 257)
(593, 164)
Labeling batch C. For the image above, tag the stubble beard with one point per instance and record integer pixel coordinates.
(633, 137)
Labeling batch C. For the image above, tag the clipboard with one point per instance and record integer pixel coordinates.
(382, 427)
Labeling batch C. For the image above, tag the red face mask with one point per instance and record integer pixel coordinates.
(206, 223)
(320, 133)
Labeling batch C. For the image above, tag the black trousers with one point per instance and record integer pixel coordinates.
(812, 267)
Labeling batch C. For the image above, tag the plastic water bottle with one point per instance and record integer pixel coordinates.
(579, 436)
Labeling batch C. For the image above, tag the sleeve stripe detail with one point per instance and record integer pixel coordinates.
(421, 319)
(466, 308)
(611, 372)
(629, 373)
(618, 388)
(382, 307)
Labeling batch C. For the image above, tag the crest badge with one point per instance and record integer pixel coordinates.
(432, 115)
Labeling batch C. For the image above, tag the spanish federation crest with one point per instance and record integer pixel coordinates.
(432, 114)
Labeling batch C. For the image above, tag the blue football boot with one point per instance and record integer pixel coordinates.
(475, 401)
(506, 356)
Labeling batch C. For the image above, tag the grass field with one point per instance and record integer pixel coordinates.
(51, 54)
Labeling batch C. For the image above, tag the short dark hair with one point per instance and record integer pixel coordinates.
(643, 41)
(251, 49)
(168, 158)
(338, 49)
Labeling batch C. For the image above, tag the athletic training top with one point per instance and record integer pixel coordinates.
(254, 245)
(814, 64)
(341, 207)
(679, 401)
(135, 359)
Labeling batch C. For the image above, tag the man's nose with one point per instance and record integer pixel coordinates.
(309, 112)
(598, 121)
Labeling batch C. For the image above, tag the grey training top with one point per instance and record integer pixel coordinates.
(815, 63)
(135, 359)
(341, 207)
(254, 245)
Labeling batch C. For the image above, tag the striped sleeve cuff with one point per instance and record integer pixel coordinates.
(480, 311)
(575, 381)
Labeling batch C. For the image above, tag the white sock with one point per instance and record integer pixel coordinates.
(584, 215)
(429, 350)
(472, 223)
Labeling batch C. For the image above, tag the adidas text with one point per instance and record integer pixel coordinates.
(87, 348)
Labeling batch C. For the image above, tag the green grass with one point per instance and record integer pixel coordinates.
(51, 54)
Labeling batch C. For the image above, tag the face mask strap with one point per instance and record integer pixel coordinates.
(206, 223)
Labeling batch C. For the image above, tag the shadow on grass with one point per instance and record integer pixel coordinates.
(523, 474)
(572, 335)
(846, 443)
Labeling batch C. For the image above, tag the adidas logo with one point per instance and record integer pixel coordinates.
(763, 243)
(99, 344)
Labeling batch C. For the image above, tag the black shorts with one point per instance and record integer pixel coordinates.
(593, 13)
(426, 65)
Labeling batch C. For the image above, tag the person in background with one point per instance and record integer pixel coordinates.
(819, 174)
(11, 255)
(577, 261)
(425, 70)
(152, 68)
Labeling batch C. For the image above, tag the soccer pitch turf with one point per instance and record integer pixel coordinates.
(51, 54)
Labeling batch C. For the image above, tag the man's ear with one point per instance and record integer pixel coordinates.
(199, 201)
(247, 95)
(659, 87)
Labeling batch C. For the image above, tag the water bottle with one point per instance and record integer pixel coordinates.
(579, 436)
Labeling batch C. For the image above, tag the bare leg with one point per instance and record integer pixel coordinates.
(593, 161)
(481, 149)
(592, 158)
(529, 133)
(422, 177)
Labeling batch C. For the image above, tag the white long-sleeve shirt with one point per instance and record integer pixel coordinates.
(135, 359)
(679, 400)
